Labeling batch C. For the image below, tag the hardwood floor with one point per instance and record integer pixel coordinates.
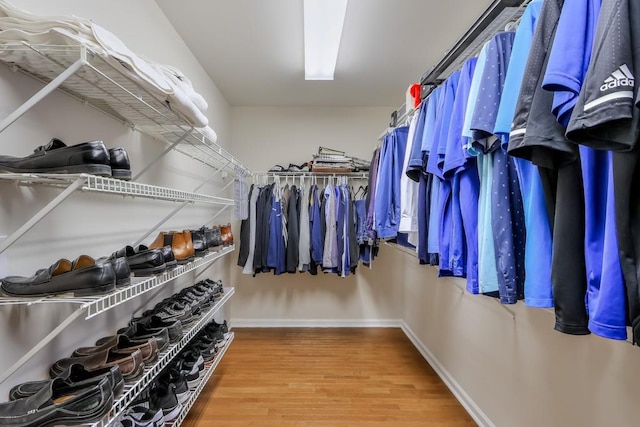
(325, 377)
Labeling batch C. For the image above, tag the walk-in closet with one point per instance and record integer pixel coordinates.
(319, 213)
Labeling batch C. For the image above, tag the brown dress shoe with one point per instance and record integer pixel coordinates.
(227, 235)
(122, 344)
(181, 245)
(189, 242)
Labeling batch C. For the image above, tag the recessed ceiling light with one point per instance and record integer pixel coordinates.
(323, 22)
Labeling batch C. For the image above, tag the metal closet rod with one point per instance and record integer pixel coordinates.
(431, 78)
(482, 23)
(354, 175)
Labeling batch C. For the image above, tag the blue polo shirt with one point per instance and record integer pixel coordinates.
(487, 280)
(507, 216)
(387, 201)
(444, 213)
(428, 142)
(565, 76)
(463, 242)
(538, 244)
(570, 55)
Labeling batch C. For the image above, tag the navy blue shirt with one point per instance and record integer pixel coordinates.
(507, 216)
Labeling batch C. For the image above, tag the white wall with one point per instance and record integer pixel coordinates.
(266, 136)
(514, 367)
(94, 224)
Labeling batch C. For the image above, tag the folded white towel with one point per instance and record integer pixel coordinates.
(180, 80)
(166, 83)
(209, 133)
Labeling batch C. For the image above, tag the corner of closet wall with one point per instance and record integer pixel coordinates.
(266, 136)
(88, 223)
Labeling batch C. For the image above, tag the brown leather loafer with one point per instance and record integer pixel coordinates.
(122, 344)
(227, 235)
(181, 245)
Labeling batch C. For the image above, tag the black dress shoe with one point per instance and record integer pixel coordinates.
(75, 376)
(56, 157)
(119, 162)
(199, 244)
(121, 268)
(82, 277)
(167, 254)
(59, 404)
(142, 263)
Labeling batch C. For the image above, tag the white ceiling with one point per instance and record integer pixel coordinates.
(253, 49)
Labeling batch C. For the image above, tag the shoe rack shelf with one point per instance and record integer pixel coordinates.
(195, 392)
(132, 391)
(84, 75)
(100, 184)
(99, 304)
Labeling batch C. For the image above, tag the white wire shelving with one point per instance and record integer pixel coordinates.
(132, 391)
(101, 184)
(86, 76)
(99, 304)
(195, 392)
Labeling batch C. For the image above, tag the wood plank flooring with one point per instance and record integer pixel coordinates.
(325, 377)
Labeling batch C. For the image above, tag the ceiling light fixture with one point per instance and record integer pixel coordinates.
(323, 22)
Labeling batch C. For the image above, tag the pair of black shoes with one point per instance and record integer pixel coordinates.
(83, 276)
(77, 396)
(147, 262)
(56, 157)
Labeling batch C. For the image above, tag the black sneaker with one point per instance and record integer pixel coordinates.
(174, 327)
(190, 363)
(177, 378)
(223, 327)
(161, 396)
(140, 416)
(214, 332)
(207, 348)
(216, 287)
(172, 310)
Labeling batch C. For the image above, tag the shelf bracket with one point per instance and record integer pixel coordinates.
(46, 340)
(42, 213)
(164, 153)
(175, 211)
(42, 93)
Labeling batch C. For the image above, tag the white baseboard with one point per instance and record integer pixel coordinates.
(316, 323)
(465, 400)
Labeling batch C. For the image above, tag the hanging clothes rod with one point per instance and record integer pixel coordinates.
(352, 175)
(494, 19)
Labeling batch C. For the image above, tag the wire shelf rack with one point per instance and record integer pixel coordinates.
(99, 304)
(131, 392)
(195, 392)
(91, 79)
(106, 185)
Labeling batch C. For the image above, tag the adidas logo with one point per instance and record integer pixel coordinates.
(620, 77)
